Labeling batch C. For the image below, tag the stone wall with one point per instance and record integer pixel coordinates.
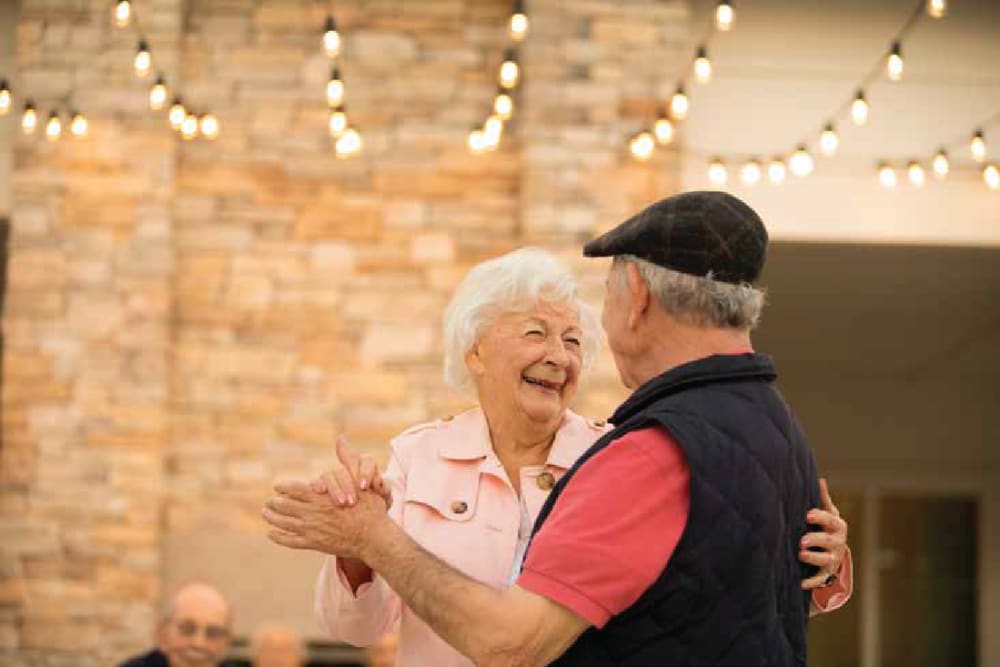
(186, 322)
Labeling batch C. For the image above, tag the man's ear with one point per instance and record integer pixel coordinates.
(639, 291)
(159, 633)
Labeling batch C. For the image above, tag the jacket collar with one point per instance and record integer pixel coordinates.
(708, 370)
(469, 439)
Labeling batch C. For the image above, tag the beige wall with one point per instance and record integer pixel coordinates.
(8, 25)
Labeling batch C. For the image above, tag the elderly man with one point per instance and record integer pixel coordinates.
(278, 647)
(676, 538)
(193, 631)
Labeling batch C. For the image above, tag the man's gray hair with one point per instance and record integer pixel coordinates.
(701, 301)
(515, 282)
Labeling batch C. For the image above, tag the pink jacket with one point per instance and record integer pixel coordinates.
(452, 495)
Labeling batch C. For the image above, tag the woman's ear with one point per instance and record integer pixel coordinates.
(473, 360)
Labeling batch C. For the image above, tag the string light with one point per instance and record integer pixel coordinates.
(776, 171)
(29, 118)
(518, 22)
(894, 62)
(717, 173)
(940, 164)
(492, 131)
(177, 114)
(887, 176)
(349, 143)
(829, 140)
(801, 162)
(209, 126)
(679, 104)
(915, 172)
(509, 71)
(335, 89)
(122, 13)
(977, 145)
(338, 121)
(664, 130)
(5, 98)
(724, 16)
(477, 142)
(158, 94)
(642, 146)
(702, 66)
(53, 128)
(503, 105)
(991, 174)
(937, 8)
(331, 38)
(189, 128)
(859, 109)
(143, 60)
(750, 173)
(78, 124)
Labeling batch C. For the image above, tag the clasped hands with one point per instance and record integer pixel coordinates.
(334, 512)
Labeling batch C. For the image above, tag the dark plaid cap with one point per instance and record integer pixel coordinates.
(694, 232)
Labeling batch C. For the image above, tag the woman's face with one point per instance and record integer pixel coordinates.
(528, 363)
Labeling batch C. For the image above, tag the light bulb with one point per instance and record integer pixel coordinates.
(122, 13)
(331, 38)
(724, 16)
(208, 125)
(859, 109)
(679, 104)
(158, 94)
(518, 22)
(477, 142)
(750, 173)
(937, 8)
(915, 172)
(642, 146)
(5, 98)
(829, 140)
(702, 66)
(801, 163)
(143, 60)
(492, 131)
(978, 146)
(991, 174)
(53, 128)
(776, 171)
(189, 128)
(335, 89)
(664, 130)
(717, 173)
(78, 125)
(503, 105)
(338, 121)
(349, 143)
(177, 114)
(887, 176)
(29, 119)
(940, 164)
(894, 63)
(509, 71)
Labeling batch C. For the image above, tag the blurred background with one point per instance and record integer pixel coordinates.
(193, 311)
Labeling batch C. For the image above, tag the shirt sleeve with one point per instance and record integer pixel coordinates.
(614, 528)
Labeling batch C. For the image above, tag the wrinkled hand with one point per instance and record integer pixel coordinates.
(832, 541)
(304, 519)
(350, 474)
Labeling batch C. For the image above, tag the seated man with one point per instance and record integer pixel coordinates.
(278, 647)
(193, 631)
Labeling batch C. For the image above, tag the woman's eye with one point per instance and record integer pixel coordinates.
(573, 341)
(535, 333)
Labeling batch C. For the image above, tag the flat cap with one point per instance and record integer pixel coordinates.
(699, 233)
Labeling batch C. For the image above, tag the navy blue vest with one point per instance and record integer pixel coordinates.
(730, 594)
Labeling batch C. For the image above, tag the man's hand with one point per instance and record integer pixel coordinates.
(304, 519)
(833, 541)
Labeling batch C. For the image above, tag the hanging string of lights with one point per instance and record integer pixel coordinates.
(78, 124)
(487, 137)
(347, 140)
(675, 110)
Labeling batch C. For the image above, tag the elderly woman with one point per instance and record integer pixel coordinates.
(468, 488)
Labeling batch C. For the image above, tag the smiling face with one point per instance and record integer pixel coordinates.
(527, 364)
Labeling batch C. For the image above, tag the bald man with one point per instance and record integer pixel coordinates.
(278, 647)
(193, 631)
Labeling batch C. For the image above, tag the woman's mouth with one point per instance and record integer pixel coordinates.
(546, 385)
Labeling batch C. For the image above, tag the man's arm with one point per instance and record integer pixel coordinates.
(491, 627)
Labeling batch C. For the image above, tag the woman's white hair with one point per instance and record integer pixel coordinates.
(515, 282)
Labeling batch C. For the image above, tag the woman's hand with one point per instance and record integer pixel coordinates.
(832, 542)
(350, 474)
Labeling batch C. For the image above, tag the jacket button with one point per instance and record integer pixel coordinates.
(459, 507)
(447, 418)
(545, 481)
(600, 423)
